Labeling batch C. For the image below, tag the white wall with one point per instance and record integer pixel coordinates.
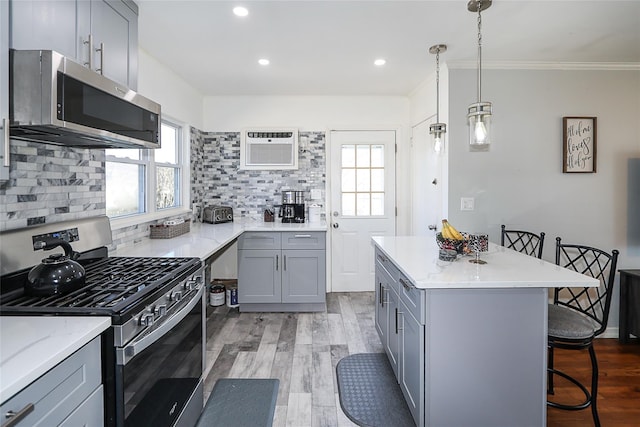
(320, 113)
(178, 99)
(519, 182)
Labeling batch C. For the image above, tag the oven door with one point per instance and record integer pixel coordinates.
(159, 375)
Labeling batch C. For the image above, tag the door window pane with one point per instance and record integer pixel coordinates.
(377, 156)
(364, 156)
(377, 179)
(123, 194)
(348, 156)
(363, 204)
(348, 180)
(348, 204)
(363, 180)
(377, 203)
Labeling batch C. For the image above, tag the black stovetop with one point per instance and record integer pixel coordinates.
(113, 286)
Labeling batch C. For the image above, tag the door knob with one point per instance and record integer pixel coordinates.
(336, 225)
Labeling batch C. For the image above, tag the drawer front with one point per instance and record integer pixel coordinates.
(413, 298)
(259, 240)
(383, 261)
(303, 240)
(56, 394)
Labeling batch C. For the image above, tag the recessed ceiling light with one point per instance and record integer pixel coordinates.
(379, 62)
(263, 61)
(240, 11)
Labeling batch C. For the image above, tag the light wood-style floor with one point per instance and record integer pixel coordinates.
(302, 350)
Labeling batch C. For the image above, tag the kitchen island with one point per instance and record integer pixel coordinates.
(468, 342)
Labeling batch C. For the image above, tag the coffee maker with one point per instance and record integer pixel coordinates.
(292, 206)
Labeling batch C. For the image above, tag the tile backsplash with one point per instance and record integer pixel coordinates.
(51, 183)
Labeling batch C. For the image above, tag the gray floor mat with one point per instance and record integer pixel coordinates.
(369, 393)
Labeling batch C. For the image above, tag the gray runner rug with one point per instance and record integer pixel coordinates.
(369, 393)
(240, 402)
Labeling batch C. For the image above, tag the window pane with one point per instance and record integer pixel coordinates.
(364, 156)
(377, 156)
(166, 187)
(348, 156)
(125, 189)
(377, 203)
(348, 180)
(167, 153)
(377, 179)
(123, 153)
(363, 204)
(363, 180)
(348, 204)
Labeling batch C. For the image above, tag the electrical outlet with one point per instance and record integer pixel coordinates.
(467, 203)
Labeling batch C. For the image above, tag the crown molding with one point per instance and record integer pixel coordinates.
(531, 65)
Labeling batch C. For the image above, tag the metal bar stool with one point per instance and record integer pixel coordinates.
(578, 315)
(522, 241)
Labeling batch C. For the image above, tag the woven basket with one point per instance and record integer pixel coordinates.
(161, 231)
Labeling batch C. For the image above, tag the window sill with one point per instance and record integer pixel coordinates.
(118, 223)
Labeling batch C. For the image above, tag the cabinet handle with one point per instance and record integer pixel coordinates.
(7, 147)
(380, 293)
(101, 50)
(382, 258)
(302, 236)
(89, 42)
(13, 418)
(396, 320)
(406, 285)
(277, 259)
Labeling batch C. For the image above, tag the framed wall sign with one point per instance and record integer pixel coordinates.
(579, 139)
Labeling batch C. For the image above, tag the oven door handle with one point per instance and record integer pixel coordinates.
(125, 354)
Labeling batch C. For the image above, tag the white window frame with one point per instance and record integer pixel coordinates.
(151, 212)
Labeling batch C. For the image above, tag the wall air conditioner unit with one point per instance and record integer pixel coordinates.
(269, 149)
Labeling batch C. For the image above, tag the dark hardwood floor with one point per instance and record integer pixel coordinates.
(302, 350)
(618, 388)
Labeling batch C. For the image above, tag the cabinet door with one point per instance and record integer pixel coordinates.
(411, 363)
(259, 276)
(392, 346)
(303, 276)
(114, 27)
(381, 309)
(46, 25)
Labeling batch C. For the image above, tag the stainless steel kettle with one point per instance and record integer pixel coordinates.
(58, 273)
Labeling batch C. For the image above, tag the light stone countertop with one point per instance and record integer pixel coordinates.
(31, 346)
(204, 240)
(417, 258)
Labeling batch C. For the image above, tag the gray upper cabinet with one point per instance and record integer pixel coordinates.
(4, 91)
(101, 34)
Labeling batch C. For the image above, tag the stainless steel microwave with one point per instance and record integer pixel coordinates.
(56, 100)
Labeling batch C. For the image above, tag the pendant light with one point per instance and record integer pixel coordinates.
(438, 129)
(479, 115)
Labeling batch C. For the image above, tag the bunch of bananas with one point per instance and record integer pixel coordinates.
(449, 231)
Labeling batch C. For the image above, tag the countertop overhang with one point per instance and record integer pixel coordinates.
(417, 258)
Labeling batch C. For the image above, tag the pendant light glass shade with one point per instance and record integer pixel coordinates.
(438, 130)
(479, 114)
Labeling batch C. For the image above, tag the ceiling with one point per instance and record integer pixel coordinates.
(328, 47)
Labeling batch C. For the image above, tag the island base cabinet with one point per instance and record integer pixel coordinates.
(69, 394)
(485, 357)
(412, 354)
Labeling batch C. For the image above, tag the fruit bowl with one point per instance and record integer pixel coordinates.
(444, 243)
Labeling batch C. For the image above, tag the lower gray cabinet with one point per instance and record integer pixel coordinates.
(412, 354)
(281, 271)
(70, 394)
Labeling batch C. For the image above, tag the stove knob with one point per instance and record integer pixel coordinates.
(160, 310)
(175, 296)
(188, 285)
(146, 319)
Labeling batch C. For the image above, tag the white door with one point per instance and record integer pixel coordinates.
(362, 204)
(427, 181)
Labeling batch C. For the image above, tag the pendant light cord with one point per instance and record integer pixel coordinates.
(479, 51)
(438, 86)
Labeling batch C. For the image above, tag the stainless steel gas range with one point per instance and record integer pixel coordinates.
(153, 354)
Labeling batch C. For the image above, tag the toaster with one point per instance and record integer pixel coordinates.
(217, 214)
